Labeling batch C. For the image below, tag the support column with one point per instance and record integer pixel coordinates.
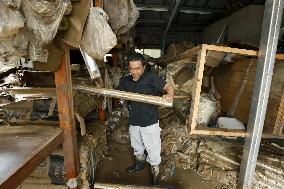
(266, 59)
(66, 115)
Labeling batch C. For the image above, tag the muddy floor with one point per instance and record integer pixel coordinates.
(113, 170)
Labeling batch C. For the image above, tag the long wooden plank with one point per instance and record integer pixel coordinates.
(228, 133)
(156, 100)
(231, 50)
(67, 117)
(22, 149)
(238, 51)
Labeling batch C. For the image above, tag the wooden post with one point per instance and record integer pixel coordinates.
(66, 115)
(99, 3)
(197, 88)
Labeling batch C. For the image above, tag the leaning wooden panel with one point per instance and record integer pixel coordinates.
(22, 149)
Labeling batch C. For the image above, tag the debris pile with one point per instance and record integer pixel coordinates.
(178, 148)
(216, 160)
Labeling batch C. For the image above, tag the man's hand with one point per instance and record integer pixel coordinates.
(168, 97)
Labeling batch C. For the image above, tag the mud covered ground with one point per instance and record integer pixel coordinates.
(120, 156)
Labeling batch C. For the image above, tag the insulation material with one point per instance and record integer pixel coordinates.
(122, 14)
(219, 162)
(178, 149)
(14, 4)
(44, 17)
(115, 75)
(98, 38)
(11, 20)
(207, 111)
(181, 76)
(13, 48)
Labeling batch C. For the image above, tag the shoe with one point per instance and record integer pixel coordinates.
(139, 164)
(155, 173)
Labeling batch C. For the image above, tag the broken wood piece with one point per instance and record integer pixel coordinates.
(156, 100)
(121, 186)
(82, 124)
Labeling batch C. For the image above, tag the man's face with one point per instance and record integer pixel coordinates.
(136, 69)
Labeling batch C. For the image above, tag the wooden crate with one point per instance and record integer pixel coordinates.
(276, 132)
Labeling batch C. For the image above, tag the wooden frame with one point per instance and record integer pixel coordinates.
(201, 61)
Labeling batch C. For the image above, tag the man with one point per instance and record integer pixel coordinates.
(144, 118)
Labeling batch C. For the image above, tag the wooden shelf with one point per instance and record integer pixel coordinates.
(22, 149)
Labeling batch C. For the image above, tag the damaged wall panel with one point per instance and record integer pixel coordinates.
(235, 84)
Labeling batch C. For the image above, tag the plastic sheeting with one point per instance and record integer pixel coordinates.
(37, 52)
(98, 38)
(122, 14)
(11, 20)
(44, 17)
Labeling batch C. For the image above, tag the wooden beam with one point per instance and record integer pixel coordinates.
(156, 100)
(66, 115)
(121, 186)
(197, 88)
(99, 3)
(238, 51)
(228, 133)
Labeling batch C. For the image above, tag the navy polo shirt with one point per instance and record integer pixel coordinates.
(141, 114)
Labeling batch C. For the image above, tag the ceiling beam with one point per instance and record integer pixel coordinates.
(172, 15)
(188, 10)
(172, 28)
(150, 21)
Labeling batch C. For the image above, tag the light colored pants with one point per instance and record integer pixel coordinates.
(147, 138)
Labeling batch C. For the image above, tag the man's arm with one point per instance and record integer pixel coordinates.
(169, 92)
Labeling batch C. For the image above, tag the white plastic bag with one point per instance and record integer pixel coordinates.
(44, 17)
(11, 21)
(98, 37)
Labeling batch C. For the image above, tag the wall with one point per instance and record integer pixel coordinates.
(243, 26)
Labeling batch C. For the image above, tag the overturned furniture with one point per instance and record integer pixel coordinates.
(231, 71)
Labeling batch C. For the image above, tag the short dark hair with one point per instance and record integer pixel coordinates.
(136, 57)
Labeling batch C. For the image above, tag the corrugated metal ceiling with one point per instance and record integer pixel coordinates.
(190, 18)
